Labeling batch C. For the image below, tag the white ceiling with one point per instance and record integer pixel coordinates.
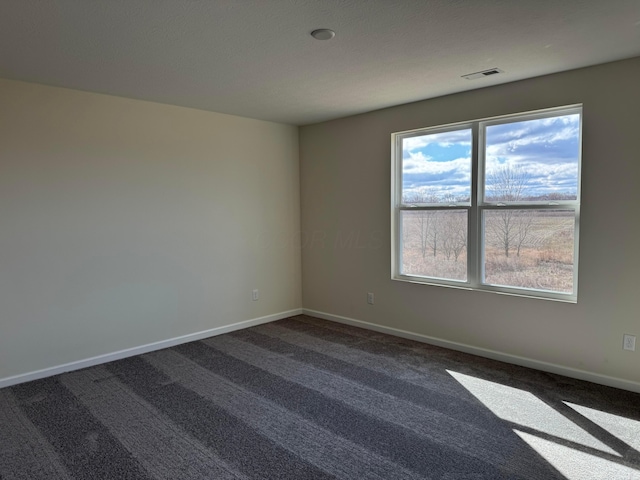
(255, 58)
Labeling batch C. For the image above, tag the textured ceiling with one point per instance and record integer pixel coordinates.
(255, 58)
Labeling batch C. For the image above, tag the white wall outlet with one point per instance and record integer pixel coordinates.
(629, 342)
(255, 295)
(370, 298)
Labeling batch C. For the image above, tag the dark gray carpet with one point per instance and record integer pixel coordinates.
(304, 398)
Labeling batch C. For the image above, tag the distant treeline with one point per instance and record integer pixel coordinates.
(417, 198)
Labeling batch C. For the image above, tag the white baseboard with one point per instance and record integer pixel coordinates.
(150, 347)
(483, 352)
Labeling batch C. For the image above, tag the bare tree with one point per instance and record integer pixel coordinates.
(507, 184)
(425, 221)
(509, 228)
(421, 196)
(524, 221)
(423, 226)
(460, 235)
(437, 231)
(454, 234)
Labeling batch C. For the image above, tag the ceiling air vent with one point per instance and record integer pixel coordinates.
(484, 73)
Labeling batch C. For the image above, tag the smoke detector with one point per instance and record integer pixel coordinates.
(323, 34)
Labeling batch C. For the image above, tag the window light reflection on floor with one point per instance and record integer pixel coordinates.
(525, 409)
(622, 428)
(577, 465)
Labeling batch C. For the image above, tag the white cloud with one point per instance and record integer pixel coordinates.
(419, 163)
(444, 139)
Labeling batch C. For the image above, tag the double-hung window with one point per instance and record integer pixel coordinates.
(491, 204)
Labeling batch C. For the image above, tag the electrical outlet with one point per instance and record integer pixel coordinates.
(370, 298)
(255, 295)
(629, 342)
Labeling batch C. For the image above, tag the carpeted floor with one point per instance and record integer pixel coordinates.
(304, 398)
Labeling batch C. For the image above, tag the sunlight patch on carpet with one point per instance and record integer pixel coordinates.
(523, 408)
(577, 465)
(622, 428)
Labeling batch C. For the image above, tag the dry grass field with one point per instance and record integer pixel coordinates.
(540, 247)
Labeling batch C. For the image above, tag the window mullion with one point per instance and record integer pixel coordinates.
(473, 246)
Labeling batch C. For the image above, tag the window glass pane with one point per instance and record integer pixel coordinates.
(529, 249)
(434, 243)
(533, 160)
(436, 168)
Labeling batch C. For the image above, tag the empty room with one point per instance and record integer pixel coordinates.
(319, 239)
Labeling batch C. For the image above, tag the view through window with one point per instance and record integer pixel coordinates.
(491, 204)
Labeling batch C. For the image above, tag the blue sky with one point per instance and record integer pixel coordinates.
(547, 150)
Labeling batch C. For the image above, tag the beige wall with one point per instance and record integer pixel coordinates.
(345, 195)
(125, 222)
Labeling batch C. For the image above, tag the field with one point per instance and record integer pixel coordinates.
(523, 248)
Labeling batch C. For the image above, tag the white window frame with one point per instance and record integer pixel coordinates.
(478, 206)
